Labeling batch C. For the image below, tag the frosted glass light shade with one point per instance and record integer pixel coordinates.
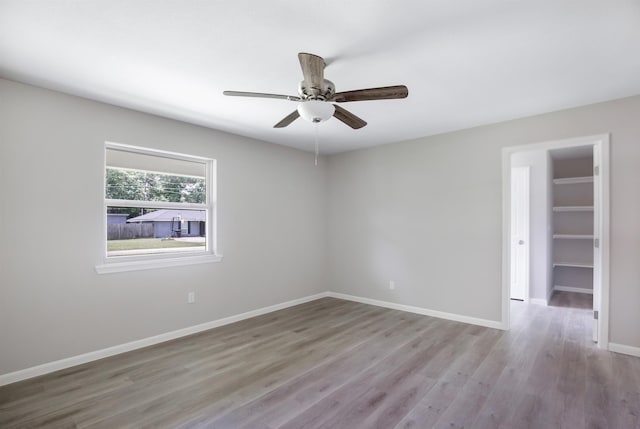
(316, 110)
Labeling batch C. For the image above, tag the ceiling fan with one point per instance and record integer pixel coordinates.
(316, 96)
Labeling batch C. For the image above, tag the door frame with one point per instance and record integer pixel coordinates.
(527, 234)
(601, 145)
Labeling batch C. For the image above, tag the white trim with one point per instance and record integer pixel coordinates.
(506, 238)
(627, 350)
(572, 289)
(420, 310)
(148, 264)
(603, 220)
(601, 144)
(212, 212)
(49, 367)
(539, 301)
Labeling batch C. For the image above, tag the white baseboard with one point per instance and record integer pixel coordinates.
(538, 301)
(572, 289)
(627, 350)
(420, 310)
(46, 368)
(49, 367)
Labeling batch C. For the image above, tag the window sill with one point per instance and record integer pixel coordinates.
(118, 267)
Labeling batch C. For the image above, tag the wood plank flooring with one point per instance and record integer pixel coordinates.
(339, 364)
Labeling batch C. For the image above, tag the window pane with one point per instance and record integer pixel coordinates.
(134, 231)
(124, 184)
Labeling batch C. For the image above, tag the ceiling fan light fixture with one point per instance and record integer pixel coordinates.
(316, 110)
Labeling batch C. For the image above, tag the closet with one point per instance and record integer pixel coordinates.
(572, 220)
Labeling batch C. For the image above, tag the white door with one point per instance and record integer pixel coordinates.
(519, 232)
(597, 286)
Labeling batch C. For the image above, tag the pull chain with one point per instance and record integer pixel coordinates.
(316, 133)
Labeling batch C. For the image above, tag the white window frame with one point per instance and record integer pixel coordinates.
(113, 264)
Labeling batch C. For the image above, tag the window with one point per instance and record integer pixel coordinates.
(159, 209)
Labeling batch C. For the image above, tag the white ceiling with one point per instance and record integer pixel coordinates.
(466, 62)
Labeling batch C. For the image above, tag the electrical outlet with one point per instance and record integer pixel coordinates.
(191, 297)
(392, 285)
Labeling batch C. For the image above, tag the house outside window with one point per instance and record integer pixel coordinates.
(158, 206)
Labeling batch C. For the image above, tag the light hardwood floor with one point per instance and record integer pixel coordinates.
(338, 364)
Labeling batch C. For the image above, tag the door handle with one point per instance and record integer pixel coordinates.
(520, 242)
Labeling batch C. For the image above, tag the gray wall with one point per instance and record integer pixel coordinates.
(53, 305)
(424, 213)
(427, 213)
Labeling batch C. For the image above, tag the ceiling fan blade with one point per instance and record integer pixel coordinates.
(348, 118)
(287, 119)
(383, 93)
(261, 95)
(312, 69)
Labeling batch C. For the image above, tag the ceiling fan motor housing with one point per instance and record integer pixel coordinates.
(309, 92)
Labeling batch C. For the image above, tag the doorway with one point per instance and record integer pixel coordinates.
(574, 239)
(597, 242)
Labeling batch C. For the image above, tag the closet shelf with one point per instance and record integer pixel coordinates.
(573, 180)
(573, 209)
(572, 264)
(574, 236)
